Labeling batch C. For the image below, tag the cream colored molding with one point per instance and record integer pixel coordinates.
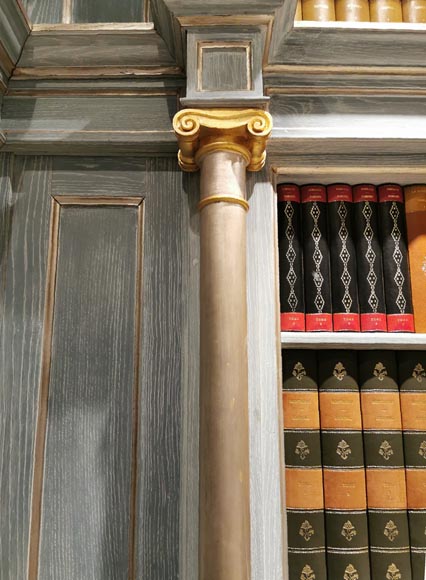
(201, 131)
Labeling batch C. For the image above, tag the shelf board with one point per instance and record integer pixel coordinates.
(354, 340)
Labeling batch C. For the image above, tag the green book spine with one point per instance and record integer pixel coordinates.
(384, 460)
(303, 470)
(412, 382)
(345, 498)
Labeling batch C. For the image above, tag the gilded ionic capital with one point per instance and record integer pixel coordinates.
(201, 131)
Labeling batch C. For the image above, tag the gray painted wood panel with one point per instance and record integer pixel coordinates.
(108, 11)
(88, 455)
(24, 260)
(264, 383)
(95, 48)
(48, 11)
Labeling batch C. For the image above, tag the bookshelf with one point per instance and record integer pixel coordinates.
(353, 340)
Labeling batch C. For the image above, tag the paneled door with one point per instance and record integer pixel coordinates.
(98, 368)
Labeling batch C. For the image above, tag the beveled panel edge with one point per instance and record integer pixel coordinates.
(98, 200)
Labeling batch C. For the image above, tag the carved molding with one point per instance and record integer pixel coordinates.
(201, 131)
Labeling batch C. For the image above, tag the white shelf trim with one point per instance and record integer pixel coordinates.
(354, 340)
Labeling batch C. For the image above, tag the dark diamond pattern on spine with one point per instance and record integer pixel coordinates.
(344, 257)
(291, 257)
(317, 257)
(398, 257)
(370, 256)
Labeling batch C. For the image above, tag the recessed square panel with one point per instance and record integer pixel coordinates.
(224, 66)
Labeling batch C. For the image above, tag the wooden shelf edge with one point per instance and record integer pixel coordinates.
(354, 340)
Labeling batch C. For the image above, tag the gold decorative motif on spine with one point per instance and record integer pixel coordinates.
(351, 573)
(422, 449)
(339, 371)
(343, 449)
(299, 371)
(385, 450)
(202, 131)
(302, 450)
(306, 531)
(307, 573)
(393, 573)
(419, 373)
(391, 531)
(380, 371)
(348, 531)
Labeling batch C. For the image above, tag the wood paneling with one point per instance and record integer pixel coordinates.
(44, 10)
(25, 213)
(88, 456)
(264, 385)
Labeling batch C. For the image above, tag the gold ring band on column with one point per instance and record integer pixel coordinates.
(224, 198)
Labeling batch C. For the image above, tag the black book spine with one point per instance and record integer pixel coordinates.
(303, 469)
(344, 286)
(316, 258)
(371, 290)
(412, 384)
(399, 307)
(292, 300)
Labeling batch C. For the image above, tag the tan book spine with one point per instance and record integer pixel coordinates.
(414, 11)
(415, 208)
(385, 11)
(319, 10)
(352, 10)
(298, 14)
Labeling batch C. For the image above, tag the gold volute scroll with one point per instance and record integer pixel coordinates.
(201, 131)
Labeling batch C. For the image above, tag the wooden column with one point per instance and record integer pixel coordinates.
(223, 144)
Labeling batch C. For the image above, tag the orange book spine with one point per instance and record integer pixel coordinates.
(352, 10)
(385, 11)
(319, 10)
(414, 11)
(415, 208)
(298, 13)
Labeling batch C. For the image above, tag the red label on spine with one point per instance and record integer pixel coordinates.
(390, 193)
(288, 192)
(339, 192)
(319, 322)
(313, 193)
(373, 322)
(343, 321)
(292, 321)
(400, 322)
(364, 192)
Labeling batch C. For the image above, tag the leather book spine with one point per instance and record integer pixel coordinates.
(316, 258)
(399, 306)
(352, 10)
(319, 10)
(412, 385)
(298, 13)
(415, 211)
(344, 287)
(303, 467)
(384, 462)
(414, 11)
(371, 291)
(385, 11)
(292, 301)
(345, 500)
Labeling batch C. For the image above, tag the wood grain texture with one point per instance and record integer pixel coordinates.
(49, 11)
(88, 455)
(108, 11)
(24, 260)
(264, 386)
(94, 48)
(360, 43)
(14, 28)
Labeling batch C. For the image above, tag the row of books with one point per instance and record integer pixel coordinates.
(355, 464)
(362, 10)
(344, 259)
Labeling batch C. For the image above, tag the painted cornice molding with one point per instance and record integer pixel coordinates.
(201, 131)
(14, 31)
